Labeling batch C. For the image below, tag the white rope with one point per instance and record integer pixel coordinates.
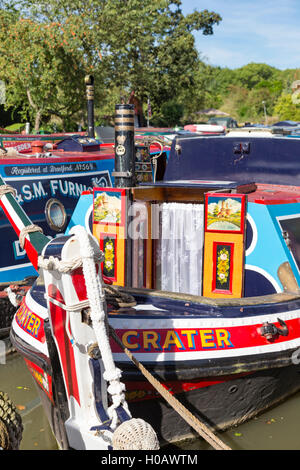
(154, 159)
(96, 297)
(5, 189)
(12, 297)
(26, 230)
(136, 437)
(55, 264)
(71, 307)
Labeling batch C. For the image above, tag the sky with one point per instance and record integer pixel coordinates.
(262, 31)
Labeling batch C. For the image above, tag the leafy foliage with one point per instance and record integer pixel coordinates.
(248, 92)
(42, 67)
(286, 109)
(48, 46)
(146, 47)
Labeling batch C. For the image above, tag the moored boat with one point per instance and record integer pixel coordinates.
(205, 129)
(48, 173)
(202, 273)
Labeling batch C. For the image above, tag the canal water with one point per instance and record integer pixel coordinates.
(277, 429)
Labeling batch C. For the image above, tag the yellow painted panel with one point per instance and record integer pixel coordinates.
(236, 242)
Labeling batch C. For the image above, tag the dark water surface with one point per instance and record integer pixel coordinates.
(16, 380)
(277, 429)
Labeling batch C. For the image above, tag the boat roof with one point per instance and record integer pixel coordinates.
(236, 157)
(57, 156)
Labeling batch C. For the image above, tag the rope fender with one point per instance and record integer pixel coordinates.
(11, 428)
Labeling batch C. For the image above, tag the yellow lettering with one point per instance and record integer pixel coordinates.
(189, 334)
(223, 338)
(150, 338)
(30, 322)
(36, 326)
(172, 338)
(21, 315)
(206, 336)
(126, 339)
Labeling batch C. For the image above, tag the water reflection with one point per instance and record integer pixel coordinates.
(16, 380)
(277, 429)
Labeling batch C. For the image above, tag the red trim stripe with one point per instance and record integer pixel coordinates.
(58, 320)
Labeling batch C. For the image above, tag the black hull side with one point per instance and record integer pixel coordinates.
(54, 419)
(56, 411)
(244, 393)
(221, 406)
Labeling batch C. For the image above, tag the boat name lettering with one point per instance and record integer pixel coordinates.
(35, 190)
(59, 169)
(28, 321)
(181, 340)
(18, 146)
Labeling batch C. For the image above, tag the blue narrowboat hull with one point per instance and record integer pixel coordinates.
(228, 351)
(37, 180)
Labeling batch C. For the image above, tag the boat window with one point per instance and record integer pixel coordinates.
(55, 215)
(179, 247)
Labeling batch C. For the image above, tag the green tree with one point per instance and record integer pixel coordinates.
(171, 113)
(286, 109)
(146, 47)
(245, 91)
(42, 67)
(235, 102)
(252, 74)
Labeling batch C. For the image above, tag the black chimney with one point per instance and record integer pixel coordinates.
(89, 81)
(124, 146)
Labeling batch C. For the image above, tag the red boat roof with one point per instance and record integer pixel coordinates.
(275, 194)
(57, 155)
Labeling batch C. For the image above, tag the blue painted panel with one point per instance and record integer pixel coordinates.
(266, 252)
(35, 185)
(83, 213)
(267, 249)
(284, 211)
(273, 160)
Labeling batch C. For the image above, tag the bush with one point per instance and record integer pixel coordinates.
(171, 113)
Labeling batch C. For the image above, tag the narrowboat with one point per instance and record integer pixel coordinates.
(22, 143)
(185, 287)
(49, 172)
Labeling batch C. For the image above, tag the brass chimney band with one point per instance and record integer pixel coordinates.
(120, 120)
(125, 111)
(124, 128)
(90, 92)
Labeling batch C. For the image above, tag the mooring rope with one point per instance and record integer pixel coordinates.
(26, 230)
(6, 189)
(54, 264)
